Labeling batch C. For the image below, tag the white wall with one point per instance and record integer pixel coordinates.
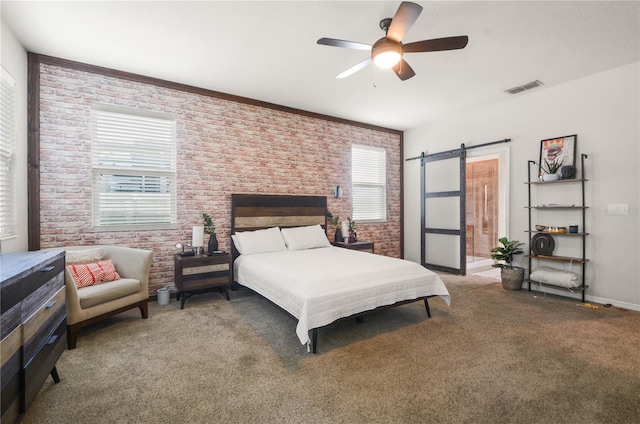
(14, 59)
(604, 111)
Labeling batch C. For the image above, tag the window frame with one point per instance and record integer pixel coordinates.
(360, 182)
(152, 170)
(8, 151)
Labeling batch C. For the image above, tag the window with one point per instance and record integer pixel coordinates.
(8, 211)
(134, 171)
(368, 177)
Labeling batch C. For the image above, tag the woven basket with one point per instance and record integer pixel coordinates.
(512, 278)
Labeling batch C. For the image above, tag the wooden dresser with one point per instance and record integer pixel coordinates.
(33, 325)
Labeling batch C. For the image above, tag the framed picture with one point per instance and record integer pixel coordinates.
(556, 153)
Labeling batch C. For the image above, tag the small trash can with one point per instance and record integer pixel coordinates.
(163, 296)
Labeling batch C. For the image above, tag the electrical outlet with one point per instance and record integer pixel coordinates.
(618, 209)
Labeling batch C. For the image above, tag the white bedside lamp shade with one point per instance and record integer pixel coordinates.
(197, 240)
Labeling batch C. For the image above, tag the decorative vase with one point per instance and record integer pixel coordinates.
(213, 244)
(338, 237)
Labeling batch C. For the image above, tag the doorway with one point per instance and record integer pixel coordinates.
(487, 216)
(482, 209)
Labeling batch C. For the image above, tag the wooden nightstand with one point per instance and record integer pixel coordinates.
(356, 245)
(199, 272)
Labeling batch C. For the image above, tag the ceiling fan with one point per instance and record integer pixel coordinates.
(387, 52)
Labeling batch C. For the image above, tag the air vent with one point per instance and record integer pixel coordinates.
(527, 86)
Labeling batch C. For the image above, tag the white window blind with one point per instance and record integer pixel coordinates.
(134, 171)
(8, 211)
(368, 178)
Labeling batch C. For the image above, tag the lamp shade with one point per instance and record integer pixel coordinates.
(386, 53)
(197, 239)
(345, 228)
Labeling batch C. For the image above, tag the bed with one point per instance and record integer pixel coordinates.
(280, 251)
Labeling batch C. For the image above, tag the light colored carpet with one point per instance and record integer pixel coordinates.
(490, 272)
(494, 356)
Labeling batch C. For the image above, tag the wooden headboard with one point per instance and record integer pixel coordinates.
(259, 211)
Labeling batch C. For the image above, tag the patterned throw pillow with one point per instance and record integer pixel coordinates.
(94, 273)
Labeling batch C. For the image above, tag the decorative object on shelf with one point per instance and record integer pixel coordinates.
(555, 277)
(573, 228)
(353, 236)
(556, 153)
(210, 228)
(541, 227)
(568, 172)
(550, 169)
(542, 244)
(335, 221)
(557, 230)
(197, 238)
(512, 276)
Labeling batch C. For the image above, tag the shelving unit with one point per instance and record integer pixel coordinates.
(582, 235)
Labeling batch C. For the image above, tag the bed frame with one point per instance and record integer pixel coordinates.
(251, 212)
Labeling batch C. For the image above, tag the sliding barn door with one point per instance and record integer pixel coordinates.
(443, 222)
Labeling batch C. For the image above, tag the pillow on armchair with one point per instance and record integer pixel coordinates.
(84, 256)
(93, 273)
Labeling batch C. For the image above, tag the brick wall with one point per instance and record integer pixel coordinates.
(224, 147)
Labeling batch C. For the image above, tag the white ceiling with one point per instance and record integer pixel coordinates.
(267, 50)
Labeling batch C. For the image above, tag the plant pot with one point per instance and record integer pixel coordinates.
(550, 177)
(512, 278)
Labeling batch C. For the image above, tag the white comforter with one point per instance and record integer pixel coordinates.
(319, 286)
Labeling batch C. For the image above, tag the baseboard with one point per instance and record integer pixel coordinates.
(616, 303)
(576, 295)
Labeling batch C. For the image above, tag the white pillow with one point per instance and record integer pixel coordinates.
(259, 241)
(555, 276)
(83, 256)
(300, 238)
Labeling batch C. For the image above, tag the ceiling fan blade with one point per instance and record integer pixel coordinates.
(437, 44)
(343, 43)
(403, 20)
(403, 70)
(354, 68)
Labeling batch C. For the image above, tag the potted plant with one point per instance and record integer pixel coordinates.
(210, 228)
(512, 276)
(551, 169)
(335, 221)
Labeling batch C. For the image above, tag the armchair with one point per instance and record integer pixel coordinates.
(88, 305)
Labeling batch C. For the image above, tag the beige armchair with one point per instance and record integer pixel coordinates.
(88, 305)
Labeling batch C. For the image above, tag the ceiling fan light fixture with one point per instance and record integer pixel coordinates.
(386, 53)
